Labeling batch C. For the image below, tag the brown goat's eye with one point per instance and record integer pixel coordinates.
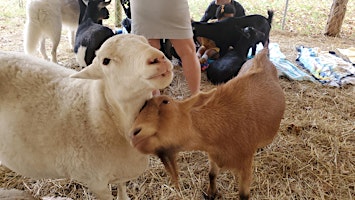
(166, 101)
(106, 61)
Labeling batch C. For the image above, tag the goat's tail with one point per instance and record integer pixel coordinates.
(271, 15)
(32, 36)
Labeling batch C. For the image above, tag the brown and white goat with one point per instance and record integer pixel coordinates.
(229, 122)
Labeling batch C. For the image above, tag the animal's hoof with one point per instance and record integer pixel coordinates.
(207, 197)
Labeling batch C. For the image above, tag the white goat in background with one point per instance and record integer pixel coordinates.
(44, 18)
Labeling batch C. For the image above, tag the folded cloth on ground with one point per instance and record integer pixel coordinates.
(284, 67)
(326, 67)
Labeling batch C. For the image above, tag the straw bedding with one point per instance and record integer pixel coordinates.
(313, 156)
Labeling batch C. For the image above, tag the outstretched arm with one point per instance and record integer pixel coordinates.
(210, 12)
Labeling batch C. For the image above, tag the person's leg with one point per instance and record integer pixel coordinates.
(154, 43)
(186, 49)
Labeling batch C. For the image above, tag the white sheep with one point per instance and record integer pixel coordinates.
(56, 122)
(44, 18)
(229, 122)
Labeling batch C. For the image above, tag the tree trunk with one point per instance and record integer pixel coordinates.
(336, 17)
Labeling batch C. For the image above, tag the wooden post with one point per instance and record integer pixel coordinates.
(118, 13)
(336, 17)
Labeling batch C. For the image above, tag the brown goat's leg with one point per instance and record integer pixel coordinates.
(245, 178)
(213, 173)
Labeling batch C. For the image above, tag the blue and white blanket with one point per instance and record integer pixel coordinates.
(327, 68)
(284, 67)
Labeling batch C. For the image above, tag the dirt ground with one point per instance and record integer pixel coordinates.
(311, 158)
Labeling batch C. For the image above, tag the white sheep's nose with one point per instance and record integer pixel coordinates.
(161, 59)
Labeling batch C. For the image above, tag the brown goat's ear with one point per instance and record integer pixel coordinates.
(202, 98)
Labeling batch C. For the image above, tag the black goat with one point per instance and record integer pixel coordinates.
(127, 22)
(126, 5)
(228, 66)
(225, 32)
(91, 34)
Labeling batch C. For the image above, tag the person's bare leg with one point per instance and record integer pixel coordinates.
(186, 49)
(154, 43)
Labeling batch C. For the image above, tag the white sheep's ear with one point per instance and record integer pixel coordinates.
(93, 71)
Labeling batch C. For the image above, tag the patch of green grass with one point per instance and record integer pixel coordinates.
(12, 8)
(197, 8)
(12, 13)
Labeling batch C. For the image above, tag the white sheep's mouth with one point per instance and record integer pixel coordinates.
(161, 75)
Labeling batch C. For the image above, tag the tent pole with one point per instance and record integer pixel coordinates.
(284, 17)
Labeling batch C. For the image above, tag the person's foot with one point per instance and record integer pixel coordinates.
(204, 66)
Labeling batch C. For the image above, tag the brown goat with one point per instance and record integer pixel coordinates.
(229, 122)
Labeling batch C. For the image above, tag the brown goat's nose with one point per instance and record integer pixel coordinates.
(136, 131)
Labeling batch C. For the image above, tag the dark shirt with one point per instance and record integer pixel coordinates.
(211, 10)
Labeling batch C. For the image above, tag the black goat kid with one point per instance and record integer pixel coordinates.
(225, 33)
(228, 66)
(91, 34)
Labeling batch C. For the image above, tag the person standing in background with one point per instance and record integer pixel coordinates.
(210, 12)
(169, 19)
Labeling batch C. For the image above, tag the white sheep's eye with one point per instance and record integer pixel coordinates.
(106, 61)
